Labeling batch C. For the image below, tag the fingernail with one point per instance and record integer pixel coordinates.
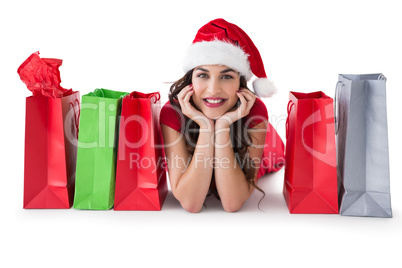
(191, 85)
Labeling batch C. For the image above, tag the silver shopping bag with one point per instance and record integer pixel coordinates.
(362, 146)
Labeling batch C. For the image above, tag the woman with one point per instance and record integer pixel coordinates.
(214, 128)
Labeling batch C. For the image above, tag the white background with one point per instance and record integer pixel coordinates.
(128, 46)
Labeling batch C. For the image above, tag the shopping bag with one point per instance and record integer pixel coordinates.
(310, 184)
(97, 149)
(362, 145)
(141, 169)
(51, 129)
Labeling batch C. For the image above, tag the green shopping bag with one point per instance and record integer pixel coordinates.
(97, 148)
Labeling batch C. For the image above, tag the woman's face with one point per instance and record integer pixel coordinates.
(215, 88)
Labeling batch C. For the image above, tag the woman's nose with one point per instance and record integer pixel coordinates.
(214, 86)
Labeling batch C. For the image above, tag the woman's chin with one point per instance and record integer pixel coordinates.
(213, 116)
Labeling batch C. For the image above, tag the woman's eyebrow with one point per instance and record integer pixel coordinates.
(227, 70)
(202, 69)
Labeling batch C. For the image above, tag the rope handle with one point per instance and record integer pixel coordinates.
(289, 109)
(336, 109)
(97, 91)
(76, 116)
(382, 77)
(155, 95)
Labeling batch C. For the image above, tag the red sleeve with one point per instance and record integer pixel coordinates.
(258, 114)
(170, 117)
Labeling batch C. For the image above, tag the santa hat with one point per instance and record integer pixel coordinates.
(222, 43)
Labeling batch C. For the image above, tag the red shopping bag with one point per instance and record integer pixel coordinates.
(310, 169)
(141, 169)
(51, 130)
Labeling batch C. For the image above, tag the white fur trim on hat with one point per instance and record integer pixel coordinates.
(264, 88)
(217, 53)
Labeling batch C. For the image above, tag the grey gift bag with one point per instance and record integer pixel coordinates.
(362, 146)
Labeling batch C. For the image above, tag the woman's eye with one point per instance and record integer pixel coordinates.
(227, 77)
(202, 76)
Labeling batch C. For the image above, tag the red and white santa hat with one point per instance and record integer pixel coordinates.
(222, 43)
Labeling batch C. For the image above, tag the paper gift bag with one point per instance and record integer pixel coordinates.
(97, 149)
(310, 184)
(362, 143)
(141, 176)
(51, 130)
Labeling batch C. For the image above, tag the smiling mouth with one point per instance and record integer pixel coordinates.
(214, 100)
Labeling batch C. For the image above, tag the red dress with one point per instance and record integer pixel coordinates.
(273, 156)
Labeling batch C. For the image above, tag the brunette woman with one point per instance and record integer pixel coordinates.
(216, 132)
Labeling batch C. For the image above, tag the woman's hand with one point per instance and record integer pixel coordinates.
(190, 111)
(247, 99)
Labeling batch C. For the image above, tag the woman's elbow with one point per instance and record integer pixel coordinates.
(189, 204)
(232, 206)
(191, 207)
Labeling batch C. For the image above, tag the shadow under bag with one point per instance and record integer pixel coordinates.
(362, 146)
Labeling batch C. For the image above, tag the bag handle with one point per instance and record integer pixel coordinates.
(98, 90)
(76, 117)
(382, 77)
(336, 110)
(156, 95)
(289, 109)
(101, 91)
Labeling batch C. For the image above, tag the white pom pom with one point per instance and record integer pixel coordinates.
(264, 88)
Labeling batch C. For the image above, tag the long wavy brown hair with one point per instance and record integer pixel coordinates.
(240, 137)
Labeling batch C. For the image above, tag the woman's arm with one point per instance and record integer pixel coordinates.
(231, 182)
(230, 179)
(189, 181)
